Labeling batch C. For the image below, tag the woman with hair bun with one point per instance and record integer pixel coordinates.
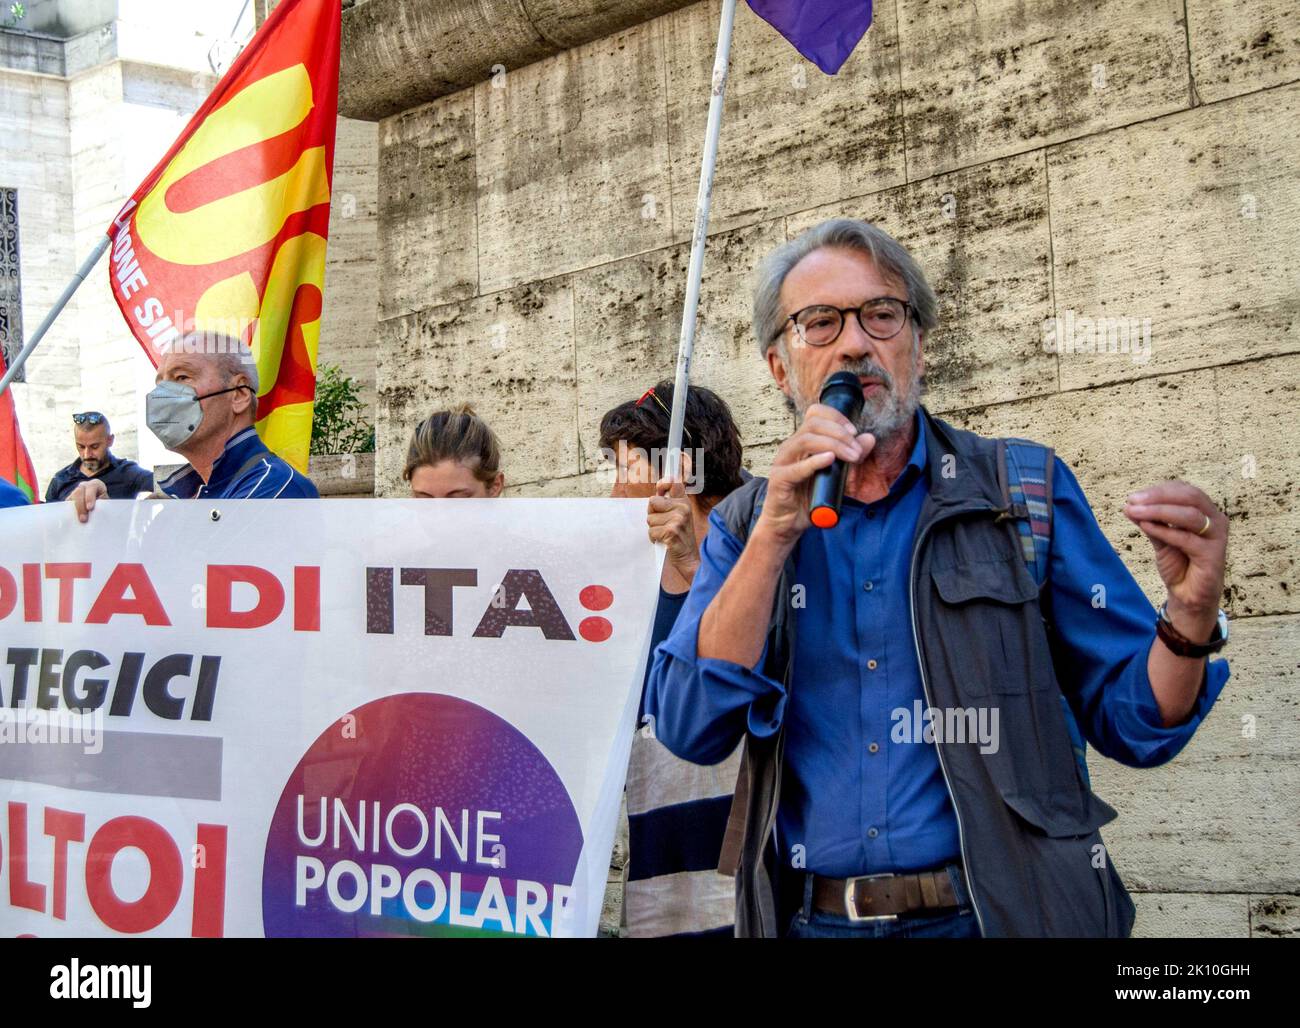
(454, 454)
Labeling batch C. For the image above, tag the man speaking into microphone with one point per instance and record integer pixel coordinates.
(953, 584)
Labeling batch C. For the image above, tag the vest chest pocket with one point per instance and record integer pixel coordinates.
(1005, 580)
(993, 635)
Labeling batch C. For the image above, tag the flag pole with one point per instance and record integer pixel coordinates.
(87, 266)
(695, 270)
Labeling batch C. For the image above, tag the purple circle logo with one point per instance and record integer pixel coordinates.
(420, 815)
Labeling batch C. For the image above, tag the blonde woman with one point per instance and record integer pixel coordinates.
(454, 454)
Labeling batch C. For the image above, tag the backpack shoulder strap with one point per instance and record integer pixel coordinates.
(1025, 474)
(740, 509)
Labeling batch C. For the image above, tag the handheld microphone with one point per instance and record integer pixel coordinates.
(843, 392)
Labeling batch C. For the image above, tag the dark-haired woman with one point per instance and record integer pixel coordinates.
(677, 811)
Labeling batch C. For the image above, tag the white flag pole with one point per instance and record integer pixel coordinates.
(87, 266)
(686, 342)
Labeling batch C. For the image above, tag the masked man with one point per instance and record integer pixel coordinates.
(203, 407)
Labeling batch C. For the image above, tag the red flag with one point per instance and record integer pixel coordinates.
(15, 463)
(227, 234)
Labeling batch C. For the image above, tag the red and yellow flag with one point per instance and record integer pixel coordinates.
(15, 462)
(227, 234)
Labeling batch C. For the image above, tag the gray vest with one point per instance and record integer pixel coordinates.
(1028, 821)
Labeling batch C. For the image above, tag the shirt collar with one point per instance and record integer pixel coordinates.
(919, 455)
(914, 467)
(73, 470)
(185, 483)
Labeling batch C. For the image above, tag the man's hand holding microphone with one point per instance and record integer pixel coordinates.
(826, 443)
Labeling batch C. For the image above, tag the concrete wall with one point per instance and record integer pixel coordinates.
(35, 159)
(1128, 157)
(82, 121)
(349, 317)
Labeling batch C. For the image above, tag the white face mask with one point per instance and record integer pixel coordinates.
(173, 413)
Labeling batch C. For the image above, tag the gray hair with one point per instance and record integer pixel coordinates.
(888, 255)
(231, 356)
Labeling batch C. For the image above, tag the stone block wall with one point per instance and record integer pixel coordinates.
(1126, 159)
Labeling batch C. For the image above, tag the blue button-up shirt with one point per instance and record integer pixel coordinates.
(236, 475)
(852, 801)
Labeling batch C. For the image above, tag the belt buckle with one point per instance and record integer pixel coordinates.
(851, 907)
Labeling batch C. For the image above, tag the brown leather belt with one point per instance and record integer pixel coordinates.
(868, 897)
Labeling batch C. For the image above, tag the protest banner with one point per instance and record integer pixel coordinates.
(317, 718)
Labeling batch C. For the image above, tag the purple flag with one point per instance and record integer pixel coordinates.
(824, 31)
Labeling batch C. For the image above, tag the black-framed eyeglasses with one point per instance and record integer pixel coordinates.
(882, 317)
(90, 417)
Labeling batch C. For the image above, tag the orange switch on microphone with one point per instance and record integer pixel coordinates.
(825, 517)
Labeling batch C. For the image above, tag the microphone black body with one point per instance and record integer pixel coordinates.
(843, 392)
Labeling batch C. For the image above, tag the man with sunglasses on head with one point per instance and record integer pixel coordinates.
(911, 682)
(122, 479)
(203, 407)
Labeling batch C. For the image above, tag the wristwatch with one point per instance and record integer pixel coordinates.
(1184, 647)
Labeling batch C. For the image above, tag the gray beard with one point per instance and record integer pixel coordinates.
(885, 416)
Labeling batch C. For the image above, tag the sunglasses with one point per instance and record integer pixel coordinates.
(650, 394)
(90, 417)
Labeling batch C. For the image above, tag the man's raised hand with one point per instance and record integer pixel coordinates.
(1190, 537)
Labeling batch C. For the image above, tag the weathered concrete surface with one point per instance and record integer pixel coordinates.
(571, 156)
(427, 200)
(36, 160)
(982, 237)
(985, 80)
(1275, 917)
(1259, 415)
(338, 475)
(1207, 427)
(509, 354)
(1111, 456)
(791, 137)
(73, 147)
(1188, 221)
(1166, 915)
(349, 313)
(1222, 816)
(105, 136)
(590, 485)
(1240, 47)
(756, 460)
(398, 54)
(627, 316)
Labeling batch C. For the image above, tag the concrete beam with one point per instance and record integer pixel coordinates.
(399, 54)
